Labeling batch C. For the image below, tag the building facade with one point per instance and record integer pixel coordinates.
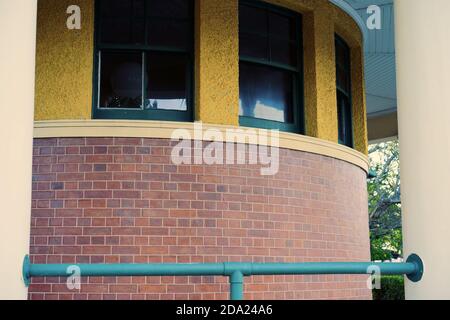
(97, 171)
(109, 96)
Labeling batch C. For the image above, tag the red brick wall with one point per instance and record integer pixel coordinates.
(116, 200)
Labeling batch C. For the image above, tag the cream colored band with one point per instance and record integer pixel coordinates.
(164, 130)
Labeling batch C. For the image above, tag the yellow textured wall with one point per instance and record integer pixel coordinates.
(217, 61)
(320, 76)
(64, 61)
(360, 134)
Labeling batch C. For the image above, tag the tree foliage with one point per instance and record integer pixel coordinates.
(384, 202)
(392, 288)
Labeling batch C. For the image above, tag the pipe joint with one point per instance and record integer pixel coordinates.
(244, 268)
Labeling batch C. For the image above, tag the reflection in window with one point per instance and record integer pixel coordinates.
(265, 93)
(167, 83)
(144, 59)
(270, 66)
(121, 80)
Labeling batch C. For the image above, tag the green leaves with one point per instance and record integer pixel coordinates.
(384, 201)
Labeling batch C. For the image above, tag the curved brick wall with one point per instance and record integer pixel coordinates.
(110, 200)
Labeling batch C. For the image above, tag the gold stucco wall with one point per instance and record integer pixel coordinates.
(320, 77)
(217, 61)
(360, 134)
(64, 61)
(65, 64)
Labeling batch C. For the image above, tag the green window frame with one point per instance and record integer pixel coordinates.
(297, 124)
(145, 48)
(344, 92)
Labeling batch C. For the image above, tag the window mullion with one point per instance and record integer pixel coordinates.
(99, 74)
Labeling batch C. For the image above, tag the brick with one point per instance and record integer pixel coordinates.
(91, 231)
(100, 167)
(96, 250)
(99, 158)
(143, 209)
(71, 159)
(70, 177)
(98, 194)
(126, 194)
(99, 141)
(99, 176)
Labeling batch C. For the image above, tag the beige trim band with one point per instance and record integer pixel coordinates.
(164, 130)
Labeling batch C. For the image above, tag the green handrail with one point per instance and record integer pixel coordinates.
(235, 271)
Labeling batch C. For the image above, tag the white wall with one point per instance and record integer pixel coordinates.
(17, 68)
(423, 73)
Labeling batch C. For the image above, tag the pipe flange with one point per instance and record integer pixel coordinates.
(416, 276)
(26, 271)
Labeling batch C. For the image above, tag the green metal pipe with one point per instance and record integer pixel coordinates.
(412, 268)
(333, 268)
(237, 286)
(123, 270)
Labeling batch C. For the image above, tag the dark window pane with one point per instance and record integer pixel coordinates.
(167, 85)
(115, 8)
(170, 8)
(268, 35)
(343, 80)
(266, 93)
(343, 84)
(169, 33)
(123, 31)
(283, 51)
(120, 80)
(342, 55)
(253, 20)
(139, 8)
(122, 8)
(282, 26)
(122, 21)
(254, 46)
(345, 120)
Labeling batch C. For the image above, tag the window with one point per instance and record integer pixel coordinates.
(270, 85)
(144, 61)
(344, 98)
